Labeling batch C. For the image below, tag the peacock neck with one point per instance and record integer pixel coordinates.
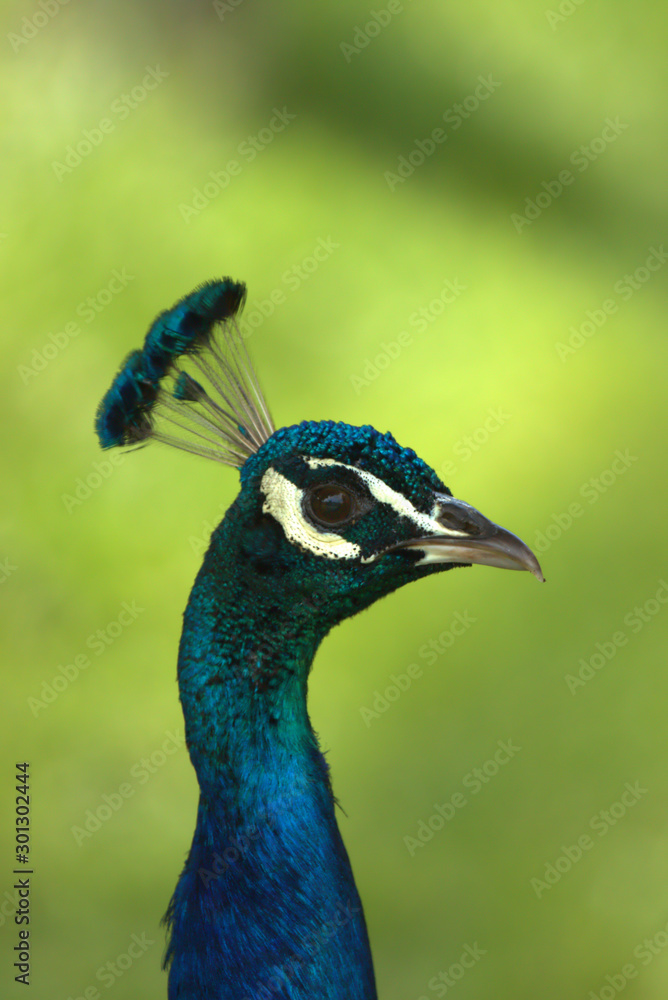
(267, 905)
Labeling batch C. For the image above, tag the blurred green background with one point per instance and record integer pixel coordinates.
(523, 387)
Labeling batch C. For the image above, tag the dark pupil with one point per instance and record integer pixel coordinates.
(331, 504)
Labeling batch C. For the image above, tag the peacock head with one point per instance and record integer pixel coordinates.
(334, 515)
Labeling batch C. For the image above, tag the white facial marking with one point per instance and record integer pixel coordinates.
(283, 500)
(426, 523)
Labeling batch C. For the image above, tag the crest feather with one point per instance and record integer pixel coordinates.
(192, 385)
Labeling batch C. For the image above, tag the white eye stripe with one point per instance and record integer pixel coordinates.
(397, 501)
(283, 500)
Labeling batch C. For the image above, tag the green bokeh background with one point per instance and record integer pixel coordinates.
(138, 535)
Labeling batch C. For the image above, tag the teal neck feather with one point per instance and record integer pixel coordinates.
(266, 905)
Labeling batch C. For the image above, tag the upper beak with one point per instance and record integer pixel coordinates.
(467, 536)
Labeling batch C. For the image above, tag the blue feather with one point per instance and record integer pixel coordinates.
(125, 415)
(187, 326)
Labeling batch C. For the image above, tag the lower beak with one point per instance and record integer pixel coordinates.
(467, 536)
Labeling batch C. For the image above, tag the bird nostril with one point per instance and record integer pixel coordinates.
(458, 521)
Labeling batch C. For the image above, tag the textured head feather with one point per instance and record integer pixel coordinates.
(221, 413)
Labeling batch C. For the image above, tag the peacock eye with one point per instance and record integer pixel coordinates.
(330, 504)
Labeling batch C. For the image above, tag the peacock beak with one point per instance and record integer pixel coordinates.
(464, 535)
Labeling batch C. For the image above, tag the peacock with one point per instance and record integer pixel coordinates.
(329, 518)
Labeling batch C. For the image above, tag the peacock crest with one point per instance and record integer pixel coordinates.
(192, 385)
